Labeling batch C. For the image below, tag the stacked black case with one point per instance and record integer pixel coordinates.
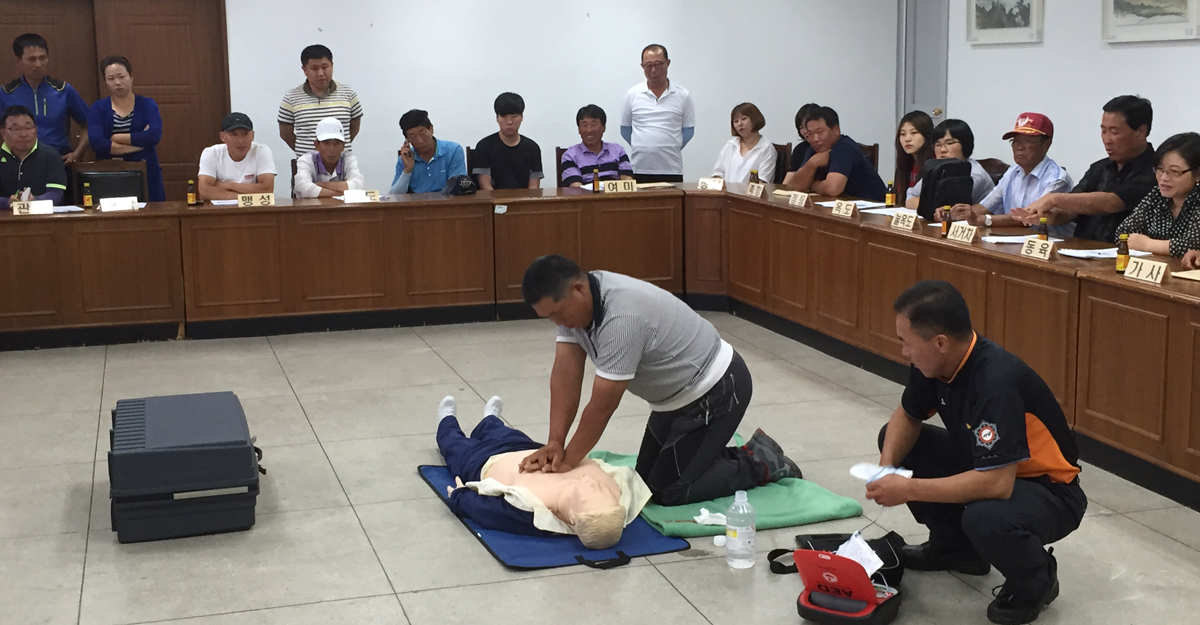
(181, 465)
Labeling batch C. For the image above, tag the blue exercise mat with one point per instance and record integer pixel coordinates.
(546, 552)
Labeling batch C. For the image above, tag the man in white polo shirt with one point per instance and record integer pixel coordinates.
(644, 339)
(237, 165)
(657, 120)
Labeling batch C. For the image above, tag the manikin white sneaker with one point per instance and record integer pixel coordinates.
(448, 407)
(494, 407)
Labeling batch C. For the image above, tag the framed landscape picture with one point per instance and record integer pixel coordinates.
(1004, 21)
(1150, 20)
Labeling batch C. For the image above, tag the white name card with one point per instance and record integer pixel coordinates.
(1144, 270)
(711, 184)
(358, 196)
(962, 232)
(1034, 247)
(620, 186)
(251, 200)
(904, 220)
(755, 189)
(797, 198)
(501, 209)
(113, 204)
(842, 208)
(36, 207)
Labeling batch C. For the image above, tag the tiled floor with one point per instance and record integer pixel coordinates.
(347, 533)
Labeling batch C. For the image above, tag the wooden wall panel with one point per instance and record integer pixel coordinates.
(891, 266)
(643, 239)
(529, 230)
(1188, 368)
(747, 252)
(788, 265)
(706, 245)
(340, 257)
(129, 266)
(447, 257)
(837, 260)
(1123, 360)
(233, 265)
(972, 282)
(31, 275)
(1033, 314)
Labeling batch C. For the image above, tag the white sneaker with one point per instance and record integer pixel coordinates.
(494, 407)
(448, 407)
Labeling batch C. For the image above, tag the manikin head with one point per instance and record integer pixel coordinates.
(934, 327)
(594, 510)
(558, 290)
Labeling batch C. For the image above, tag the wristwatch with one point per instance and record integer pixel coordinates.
(987, 220)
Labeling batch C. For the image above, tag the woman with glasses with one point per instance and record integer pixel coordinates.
(1167, 221)
(954, 139)
(127, 126)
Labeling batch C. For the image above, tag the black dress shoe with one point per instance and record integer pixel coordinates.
(1013, 606)
(930, 557)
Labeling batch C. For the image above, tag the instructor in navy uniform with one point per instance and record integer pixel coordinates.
(1000, 481)
(646, 340)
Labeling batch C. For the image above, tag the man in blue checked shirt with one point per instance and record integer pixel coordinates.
(54, 102)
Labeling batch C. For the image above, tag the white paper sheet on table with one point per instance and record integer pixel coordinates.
(1105, 253)
(224, 202)
(68, 209)
(886, 212)
(861, 204)
(1013, 238)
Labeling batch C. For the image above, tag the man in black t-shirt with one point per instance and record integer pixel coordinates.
(1113, 186)
(24, 164)
(801, 148)
(507, 160)
(1000, 481)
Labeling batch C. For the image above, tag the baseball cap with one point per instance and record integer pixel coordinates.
(1032, 124)
(330, 128)
(234, 121)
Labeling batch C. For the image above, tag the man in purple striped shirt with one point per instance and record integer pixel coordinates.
(581, 160)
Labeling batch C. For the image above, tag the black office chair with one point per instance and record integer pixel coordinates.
(111, 178)
(783, 161)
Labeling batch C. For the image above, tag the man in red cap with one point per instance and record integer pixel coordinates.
(1032, 176)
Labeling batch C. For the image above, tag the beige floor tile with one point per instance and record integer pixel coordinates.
(860, 381)
(490, 332)
(1182, 524)
(246, 377)
(41, 577)
(277, 421)
(819, 430)
(354, 371)
(299, 477)
(51, 392)
(890, 401)
(748, 351)
(626, 595)
(1117, 494)
(383, 469)
(384, 609)
(45, 500)
(780, 382)
(499, 361)
(292, 345)
(53, 361)
(286, 559)
(44, 439)
(159, 353)
(376, 413)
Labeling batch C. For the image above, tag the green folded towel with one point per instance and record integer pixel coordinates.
(785, 503)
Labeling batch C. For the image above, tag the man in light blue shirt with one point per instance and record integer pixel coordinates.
(1032, 176)
(425, 162)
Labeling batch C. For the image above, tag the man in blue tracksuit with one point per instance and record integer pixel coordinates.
(54, 102)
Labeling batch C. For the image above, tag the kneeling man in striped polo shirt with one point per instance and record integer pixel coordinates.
(644, 339)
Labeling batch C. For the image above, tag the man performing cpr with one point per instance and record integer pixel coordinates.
(1001, 480)
(643, 338)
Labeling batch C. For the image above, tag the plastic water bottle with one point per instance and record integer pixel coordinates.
(739, 532)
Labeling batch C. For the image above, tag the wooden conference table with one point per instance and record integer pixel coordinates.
(1121, 357)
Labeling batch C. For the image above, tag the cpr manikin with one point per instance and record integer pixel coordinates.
(594, 501)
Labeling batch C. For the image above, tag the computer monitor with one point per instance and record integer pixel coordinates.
(944, 182)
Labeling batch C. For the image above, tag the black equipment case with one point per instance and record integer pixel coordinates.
(181, 465)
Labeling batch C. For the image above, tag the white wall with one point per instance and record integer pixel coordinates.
(453, 57)
(1069, 77)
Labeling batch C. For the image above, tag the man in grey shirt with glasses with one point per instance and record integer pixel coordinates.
(644, 339)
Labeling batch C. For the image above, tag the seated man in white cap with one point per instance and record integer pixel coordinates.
(594, 501)
(330, 170)
(237, 165)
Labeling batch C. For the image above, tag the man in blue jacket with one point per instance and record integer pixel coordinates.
(54, 102)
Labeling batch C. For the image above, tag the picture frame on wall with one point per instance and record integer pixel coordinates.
(1149, 20)
(1004, 21)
